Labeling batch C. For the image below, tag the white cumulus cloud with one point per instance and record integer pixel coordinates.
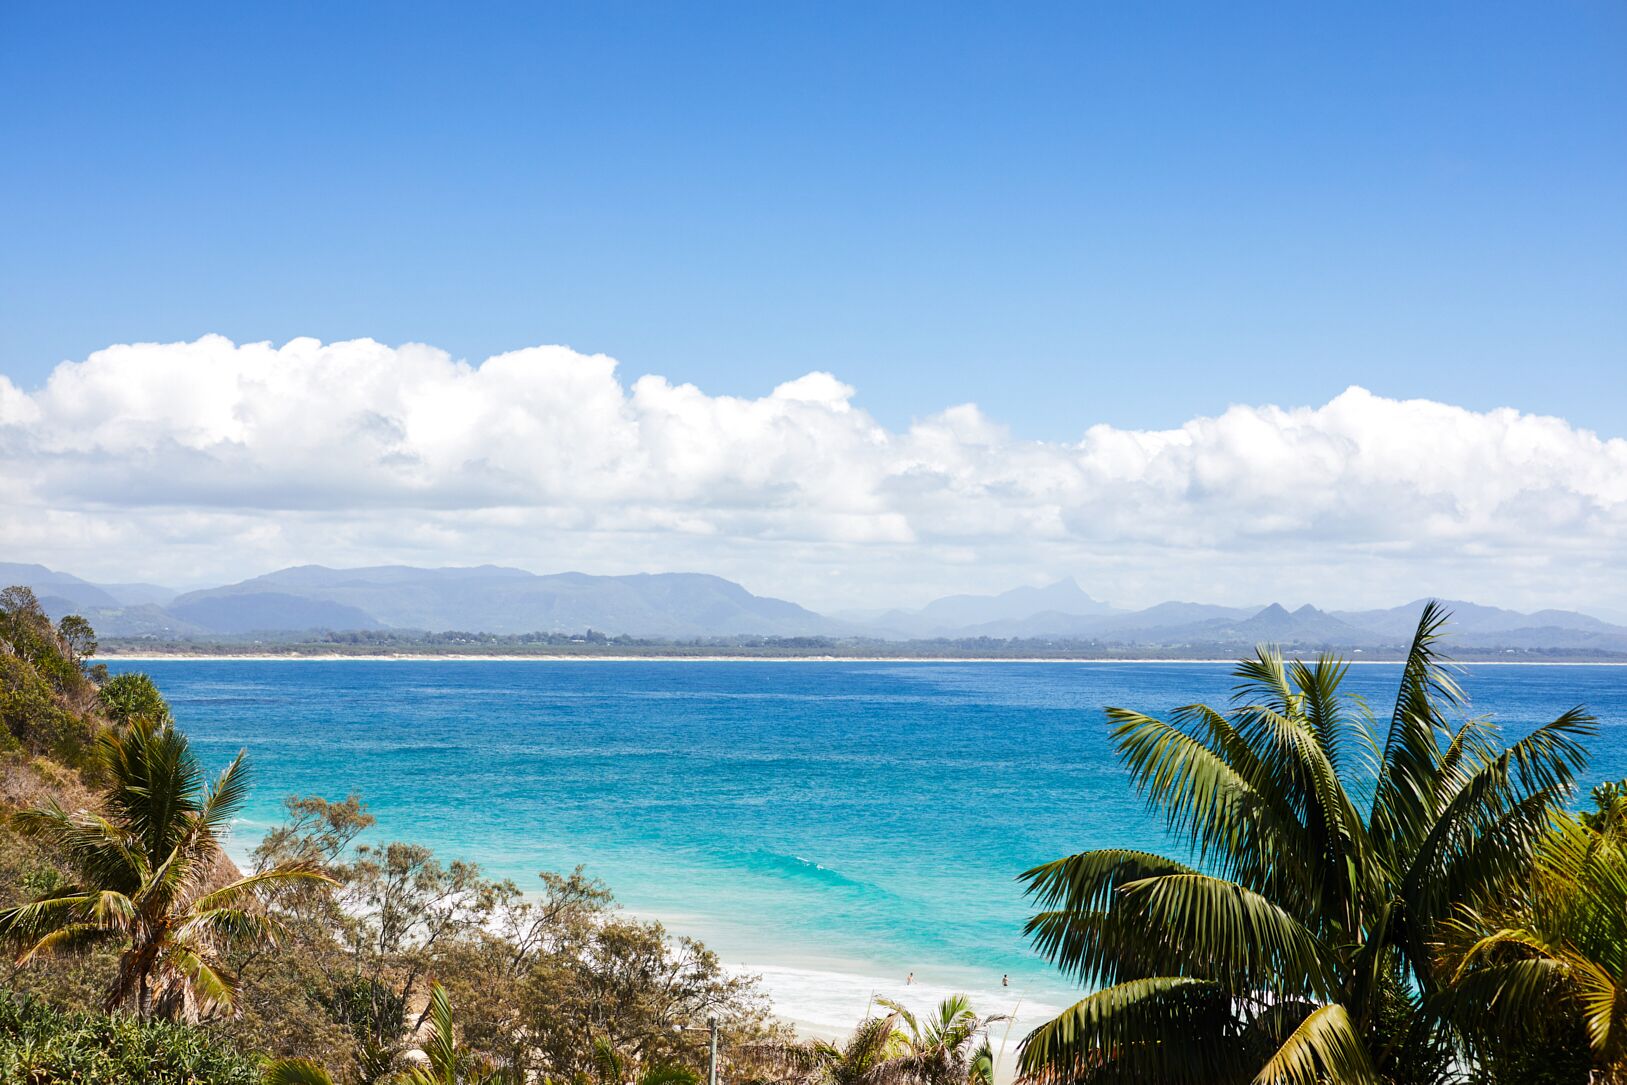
(190, 461)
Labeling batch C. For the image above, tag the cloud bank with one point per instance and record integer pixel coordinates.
(188, 461)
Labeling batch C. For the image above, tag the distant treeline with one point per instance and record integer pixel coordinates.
(591, 643)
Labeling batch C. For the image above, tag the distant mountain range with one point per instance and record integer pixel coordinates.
(493, 599)
(954, 615)
(485, 599)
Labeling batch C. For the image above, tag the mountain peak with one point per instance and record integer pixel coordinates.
(953, 613)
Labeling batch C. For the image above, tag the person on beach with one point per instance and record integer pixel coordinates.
(909, 979)
(1005, 979)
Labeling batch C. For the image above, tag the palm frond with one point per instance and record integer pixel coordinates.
(440, 1043)
(296, 1072)
(981, 1069)
(1504, 997)
(1326, 825)
(229, 923)
(69, 938)
(1600, 995)
(1323, 1048)
(28, 921)
(171, 878)
(226, 797)
(1174, 1031)
(864, 1058)
(32, 925)
(101, 852)
(1412, 748)
(157, 784)
(249, 886)
(211, 988)
(1218, 930)
(1225, 813)
(898, 1010)
(1262, 679)
(1091, 878)
(1484, 836)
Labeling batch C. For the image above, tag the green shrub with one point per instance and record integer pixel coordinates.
(132, 696)
(28, 632)
(27, 707)
(35, 718)
(39, 1043)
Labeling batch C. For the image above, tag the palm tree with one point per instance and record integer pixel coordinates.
(149, 876)
(1298, 943)
(869, 1057)
(1609, 813)
(445, 1062)
(949, 1047)
(1543, 973)
(613, 1068)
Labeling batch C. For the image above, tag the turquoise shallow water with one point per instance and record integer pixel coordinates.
(848, 817)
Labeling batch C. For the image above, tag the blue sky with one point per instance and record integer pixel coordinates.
(1069, 215)
(1126, 233)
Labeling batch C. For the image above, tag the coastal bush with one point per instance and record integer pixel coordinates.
(36, 717)
(542, 980)
(40, 1043)
(46, 701)
(148, 877)
(1302, 944)
(26, 632)
(28, 705)
(629, 983)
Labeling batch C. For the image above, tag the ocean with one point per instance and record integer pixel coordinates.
(831, 826)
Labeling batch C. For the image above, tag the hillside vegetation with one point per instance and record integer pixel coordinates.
(336, 966)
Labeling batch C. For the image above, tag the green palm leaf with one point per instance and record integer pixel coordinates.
(1323, 1048)
(296, 1072)
(1171, 1030)
(440, 1044)
(211, 988)
(1204, 798)
(1090, 879)
(1214, 929)
(250, 886)
(1412, 750)
(226, 797)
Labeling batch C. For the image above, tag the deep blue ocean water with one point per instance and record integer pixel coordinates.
(855, 817)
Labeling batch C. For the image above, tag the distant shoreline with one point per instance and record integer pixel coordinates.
(455, 657)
